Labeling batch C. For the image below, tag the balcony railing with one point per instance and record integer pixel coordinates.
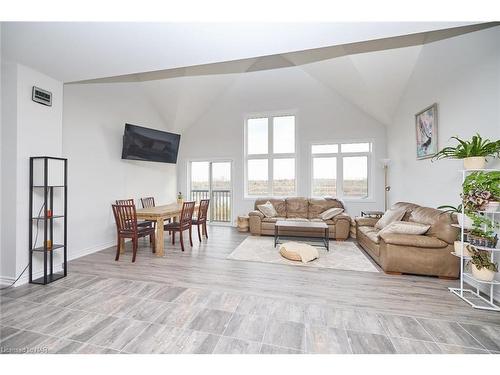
(220, 203)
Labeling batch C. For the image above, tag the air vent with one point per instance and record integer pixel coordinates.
(41, 96)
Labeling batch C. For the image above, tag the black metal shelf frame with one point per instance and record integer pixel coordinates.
(48, 229)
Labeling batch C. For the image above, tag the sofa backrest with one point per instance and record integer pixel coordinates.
(300, 207)
(318, 205)
(279, 205)
(297, 207)
(439, 221)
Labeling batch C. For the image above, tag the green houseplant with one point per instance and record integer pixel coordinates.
(463, 220)
(473, 151)
(481, 191)
(481, 265)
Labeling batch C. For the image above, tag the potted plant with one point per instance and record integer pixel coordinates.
(481, 265)
(481, 191)
(462, 248)
(463, 220)
(180, 198)
(474, 152)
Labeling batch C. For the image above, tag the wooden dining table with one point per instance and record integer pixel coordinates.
(159, 214)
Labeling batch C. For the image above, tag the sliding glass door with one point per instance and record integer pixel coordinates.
(212, 180)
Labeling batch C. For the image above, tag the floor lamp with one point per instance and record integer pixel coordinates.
(387, 188)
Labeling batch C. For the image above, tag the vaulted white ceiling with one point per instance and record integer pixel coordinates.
(183, 82)
(373, 81)
(74, 51)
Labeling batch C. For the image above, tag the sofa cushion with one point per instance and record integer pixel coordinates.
(371, 233)
(278, 204)
(389, 217)
(331, 212)
(413, 240)
(405, 227)
(439, 221)
(319, 205)
(296, 219)
(297, 207)
(267, 209)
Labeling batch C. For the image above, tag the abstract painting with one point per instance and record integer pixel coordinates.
(426, 125)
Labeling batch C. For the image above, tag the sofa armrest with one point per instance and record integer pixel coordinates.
(414, 240)
(366, 221)
(256, 213)
(338, 217)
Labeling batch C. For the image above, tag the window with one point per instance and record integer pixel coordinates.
(341, 170)
(270, 156)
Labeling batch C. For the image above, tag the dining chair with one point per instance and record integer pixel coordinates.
(142, 223)
(126, 227)
(183, 224)
(201, 219)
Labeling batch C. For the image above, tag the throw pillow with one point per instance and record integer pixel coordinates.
(404, 227)
(331, 212)
(267, 209)
(389, 217)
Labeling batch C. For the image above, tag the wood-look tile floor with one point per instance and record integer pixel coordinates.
(200, 302)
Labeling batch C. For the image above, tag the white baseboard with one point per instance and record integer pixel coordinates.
(24, 279)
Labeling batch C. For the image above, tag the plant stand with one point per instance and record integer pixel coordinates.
(477, 298)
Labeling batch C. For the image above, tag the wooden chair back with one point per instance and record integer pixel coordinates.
(186, 214)
(148, 202)
(125, 202)
(125, 217)
(203, 210)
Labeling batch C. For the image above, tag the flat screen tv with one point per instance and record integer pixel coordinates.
(146, 144)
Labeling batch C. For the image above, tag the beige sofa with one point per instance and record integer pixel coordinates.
(428, 254)
(302, 209)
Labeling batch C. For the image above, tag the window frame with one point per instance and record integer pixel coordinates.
(339, 155)
(270, 156)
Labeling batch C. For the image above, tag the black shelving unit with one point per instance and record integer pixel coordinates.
(42, 216)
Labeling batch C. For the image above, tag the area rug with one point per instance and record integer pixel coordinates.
(342, 255)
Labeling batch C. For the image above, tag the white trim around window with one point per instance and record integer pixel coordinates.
(339, 155)
(270, 156)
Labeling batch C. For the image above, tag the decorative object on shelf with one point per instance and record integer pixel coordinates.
(474, 152)
(483, 268)
(482, 237)
(426, 126)
(242, 223)
(387, 188)
(479, 189)
(47, 187)
(180, 198)
(461, 249)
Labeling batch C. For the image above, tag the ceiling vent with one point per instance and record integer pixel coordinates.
(41, 96)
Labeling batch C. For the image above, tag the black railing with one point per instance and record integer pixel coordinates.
(220, 203)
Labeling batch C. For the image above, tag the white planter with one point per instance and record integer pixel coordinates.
(475, 162)
(458, 249)
(483, 274)
(492, 206)
(468, 223)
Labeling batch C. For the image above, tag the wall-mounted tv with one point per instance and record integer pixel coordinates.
(146, 144)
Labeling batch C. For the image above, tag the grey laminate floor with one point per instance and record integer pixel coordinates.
(200, 302)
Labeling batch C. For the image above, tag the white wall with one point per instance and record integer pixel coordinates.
(28, 129)
(462, 75)
(322, 115)
(94, 120)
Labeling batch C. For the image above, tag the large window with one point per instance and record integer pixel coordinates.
(341, 170)
(270, 156)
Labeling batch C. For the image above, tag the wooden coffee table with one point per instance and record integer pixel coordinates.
(302, 226)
